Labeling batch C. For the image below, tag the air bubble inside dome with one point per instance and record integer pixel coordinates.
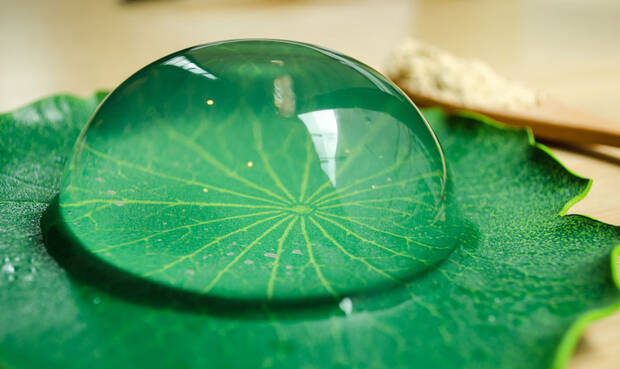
(259, 169)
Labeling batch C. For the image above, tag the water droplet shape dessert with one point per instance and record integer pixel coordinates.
(260, 170)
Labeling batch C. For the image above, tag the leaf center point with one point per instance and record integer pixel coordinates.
(301, 209)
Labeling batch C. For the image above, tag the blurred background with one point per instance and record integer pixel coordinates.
(569, 49)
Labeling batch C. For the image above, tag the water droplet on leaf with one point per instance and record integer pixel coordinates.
(8, 268)
(309, 157)
(346, 305)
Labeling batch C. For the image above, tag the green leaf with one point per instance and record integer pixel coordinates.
(515, 293)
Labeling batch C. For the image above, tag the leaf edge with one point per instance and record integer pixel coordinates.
(573, 334)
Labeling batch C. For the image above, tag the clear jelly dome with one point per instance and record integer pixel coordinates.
(260, 170)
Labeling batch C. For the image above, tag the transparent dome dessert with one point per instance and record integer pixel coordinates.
(260, 170)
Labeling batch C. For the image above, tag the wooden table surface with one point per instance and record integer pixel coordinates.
(567, 48)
